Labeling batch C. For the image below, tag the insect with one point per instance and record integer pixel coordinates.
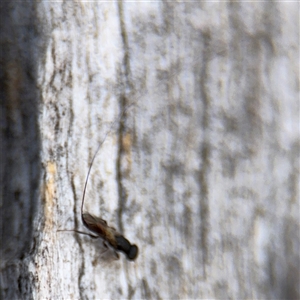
(109, 235)
(97, 225)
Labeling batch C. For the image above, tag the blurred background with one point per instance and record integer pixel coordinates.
(198, 103)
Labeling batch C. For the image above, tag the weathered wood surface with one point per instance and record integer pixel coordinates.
(202, 171)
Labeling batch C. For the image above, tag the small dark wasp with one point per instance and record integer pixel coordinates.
(109, 235)
(99, 226)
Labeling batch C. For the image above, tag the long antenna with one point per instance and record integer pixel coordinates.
(99, 146)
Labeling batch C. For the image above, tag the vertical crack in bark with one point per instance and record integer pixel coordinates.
(125, 73)
(205, 156)
(123, 102)
(82, 266)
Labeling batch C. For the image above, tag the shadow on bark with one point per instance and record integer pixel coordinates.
(20, 146)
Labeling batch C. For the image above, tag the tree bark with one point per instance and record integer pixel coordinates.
(197, 105)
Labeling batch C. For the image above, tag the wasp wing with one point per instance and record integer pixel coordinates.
(100, 227)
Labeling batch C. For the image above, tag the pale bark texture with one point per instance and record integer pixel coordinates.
(198, 104)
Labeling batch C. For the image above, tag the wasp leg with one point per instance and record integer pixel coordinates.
(85, 233)
(117, 256)
(93, 236)
(106, 248)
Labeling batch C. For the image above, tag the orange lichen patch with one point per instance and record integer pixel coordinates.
(49, 194)
(127, 145)
(127, 142)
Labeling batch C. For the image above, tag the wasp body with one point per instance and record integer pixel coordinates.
(109, 235)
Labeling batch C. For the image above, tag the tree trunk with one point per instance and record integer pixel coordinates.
(197, 105)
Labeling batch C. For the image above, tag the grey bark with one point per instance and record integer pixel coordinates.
(199, 107)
